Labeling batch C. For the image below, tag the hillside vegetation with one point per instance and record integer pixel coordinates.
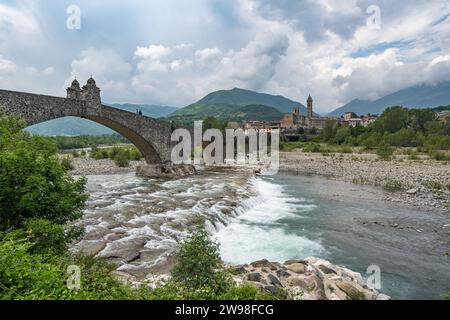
(237, 105)
(227, 112)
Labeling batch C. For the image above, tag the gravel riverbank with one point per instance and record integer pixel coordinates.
(88, 166)
(423, 183)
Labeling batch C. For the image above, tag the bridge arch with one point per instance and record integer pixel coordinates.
(150, 136)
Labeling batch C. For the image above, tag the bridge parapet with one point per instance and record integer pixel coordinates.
(36, 108)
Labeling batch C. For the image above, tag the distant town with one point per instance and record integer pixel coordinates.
(294, 123)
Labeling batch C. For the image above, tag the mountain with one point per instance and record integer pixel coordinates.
(153, 111)
(72, 126)
(228, 112)
(69, 126)
(422, 96)
(231, 105)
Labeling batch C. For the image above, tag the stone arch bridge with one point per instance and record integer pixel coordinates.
(151, 136)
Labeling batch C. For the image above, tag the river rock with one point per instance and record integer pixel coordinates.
(90, 247)
(289, 262)
(309, 279)
(263, 263)
(165, 170)
(274, 280)
(297, 267)
(124, 277)
(255, 277)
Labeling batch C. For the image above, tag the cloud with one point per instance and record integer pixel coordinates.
(109, 69)
(152, 52)
(207, 55)
(288, 47)
(6, 66)
(17, 21)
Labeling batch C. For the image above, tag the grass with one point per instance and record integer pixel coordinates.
(393, 186)
(440, 156)
(314, 147)
(433, 185)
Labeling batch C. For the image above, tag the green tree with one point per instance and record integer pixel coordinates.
(213, 123)
(446, 129)
(417, 118)
(33, 183)
(342, 134)
(392, 120)
(329, 130)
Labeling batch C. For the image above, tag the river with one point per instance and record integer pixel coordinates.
(138, 222)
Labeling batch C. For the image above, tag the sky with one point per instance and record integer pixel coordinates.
(173, 53)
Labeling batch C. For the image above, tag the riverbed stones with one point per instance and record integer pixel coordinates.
(263, 263)
(254, 276)
(308, 279)
(165, 170)
(297, 267)
(274, 280)
(90, 247)
(124, 277)
(417, 178)
(412, 191)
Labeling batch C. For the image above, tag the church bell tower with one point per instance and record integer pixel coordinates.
(309, 103)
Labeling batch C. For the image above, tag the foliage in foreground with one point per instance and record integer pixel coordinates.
(199, 275)
(37, 276)
(33, 183)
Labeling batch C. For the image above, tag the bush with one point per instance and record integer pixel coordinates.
(440, 156)
(66, 163)
(122, 160)
(290, 146)
(385, 152)
(46, 237)
(433, 185)
(198, 275)
(312, 147)
(33, 183)
(195, 270)
(28, 276)
(393, 186)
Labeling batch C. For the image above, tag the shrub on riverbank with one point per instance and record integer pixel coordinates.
(66, 163)
(199, 275)
(80, 142)
(120, 155)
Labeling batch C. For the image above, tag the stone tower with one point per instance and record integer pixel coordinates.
(91, 94)
(310, 107)
(74, 91)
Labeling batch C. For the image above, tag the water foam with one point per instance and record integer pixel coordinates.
(259, 233)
